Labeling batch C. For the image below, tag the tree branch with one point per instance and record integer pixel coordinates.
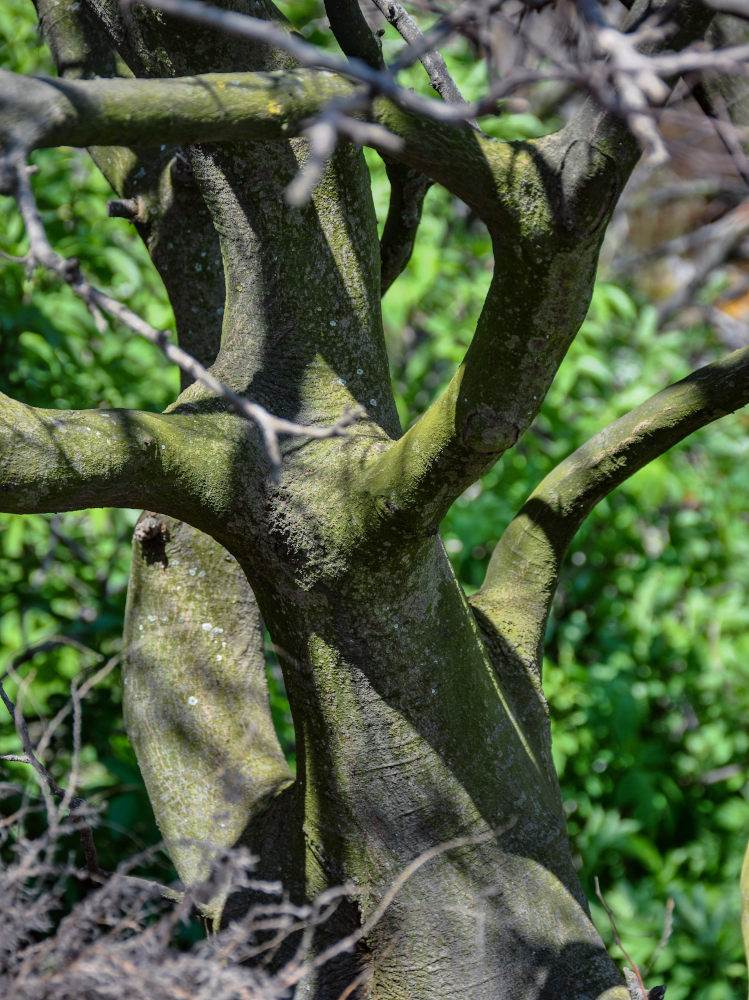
(309, 55)
(408, 188)
(352, 32)
(37, 112)
(77, 806)
(41, 252)
(215, 107)
(53, 460)
(80, 49)
(431, 60)
(524, 569)
(550, 204)
(545, 263)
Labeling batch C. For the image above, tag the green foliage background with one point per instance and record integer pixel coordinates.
(647, 668)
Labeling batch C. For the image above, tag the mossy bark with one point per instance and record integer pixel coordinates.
(419, 718)
(195, 695)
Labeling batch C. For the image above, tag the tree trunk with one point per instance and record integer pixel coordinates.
(422, 730)
(409, 735)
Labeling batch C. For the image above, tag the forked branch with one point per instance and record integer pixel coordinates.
(545, 265)
(552, 201)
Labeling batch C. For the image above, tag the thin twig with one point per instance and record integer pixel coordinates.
(668, 926)
(69, 801)
(41, 252)
(726, 234)
(431, 60)
(23, 733)
(634, 76)
(716, 111)
(51, 642)
(47, 782)
(618, 940)
(100, 674)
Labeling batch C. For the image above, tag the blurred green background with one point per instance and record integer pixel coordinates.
(647, 667)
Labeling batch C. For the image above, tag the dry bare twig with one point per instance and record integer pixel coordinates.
(119, 940)
(76, 805)
(431, 60)
(16, 183)
(633, 976)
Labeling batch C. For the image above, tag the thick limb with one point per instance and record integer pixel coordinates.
(195, 698)
(545, 261)
(524, 569)
(195, 695)
(53, 460)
